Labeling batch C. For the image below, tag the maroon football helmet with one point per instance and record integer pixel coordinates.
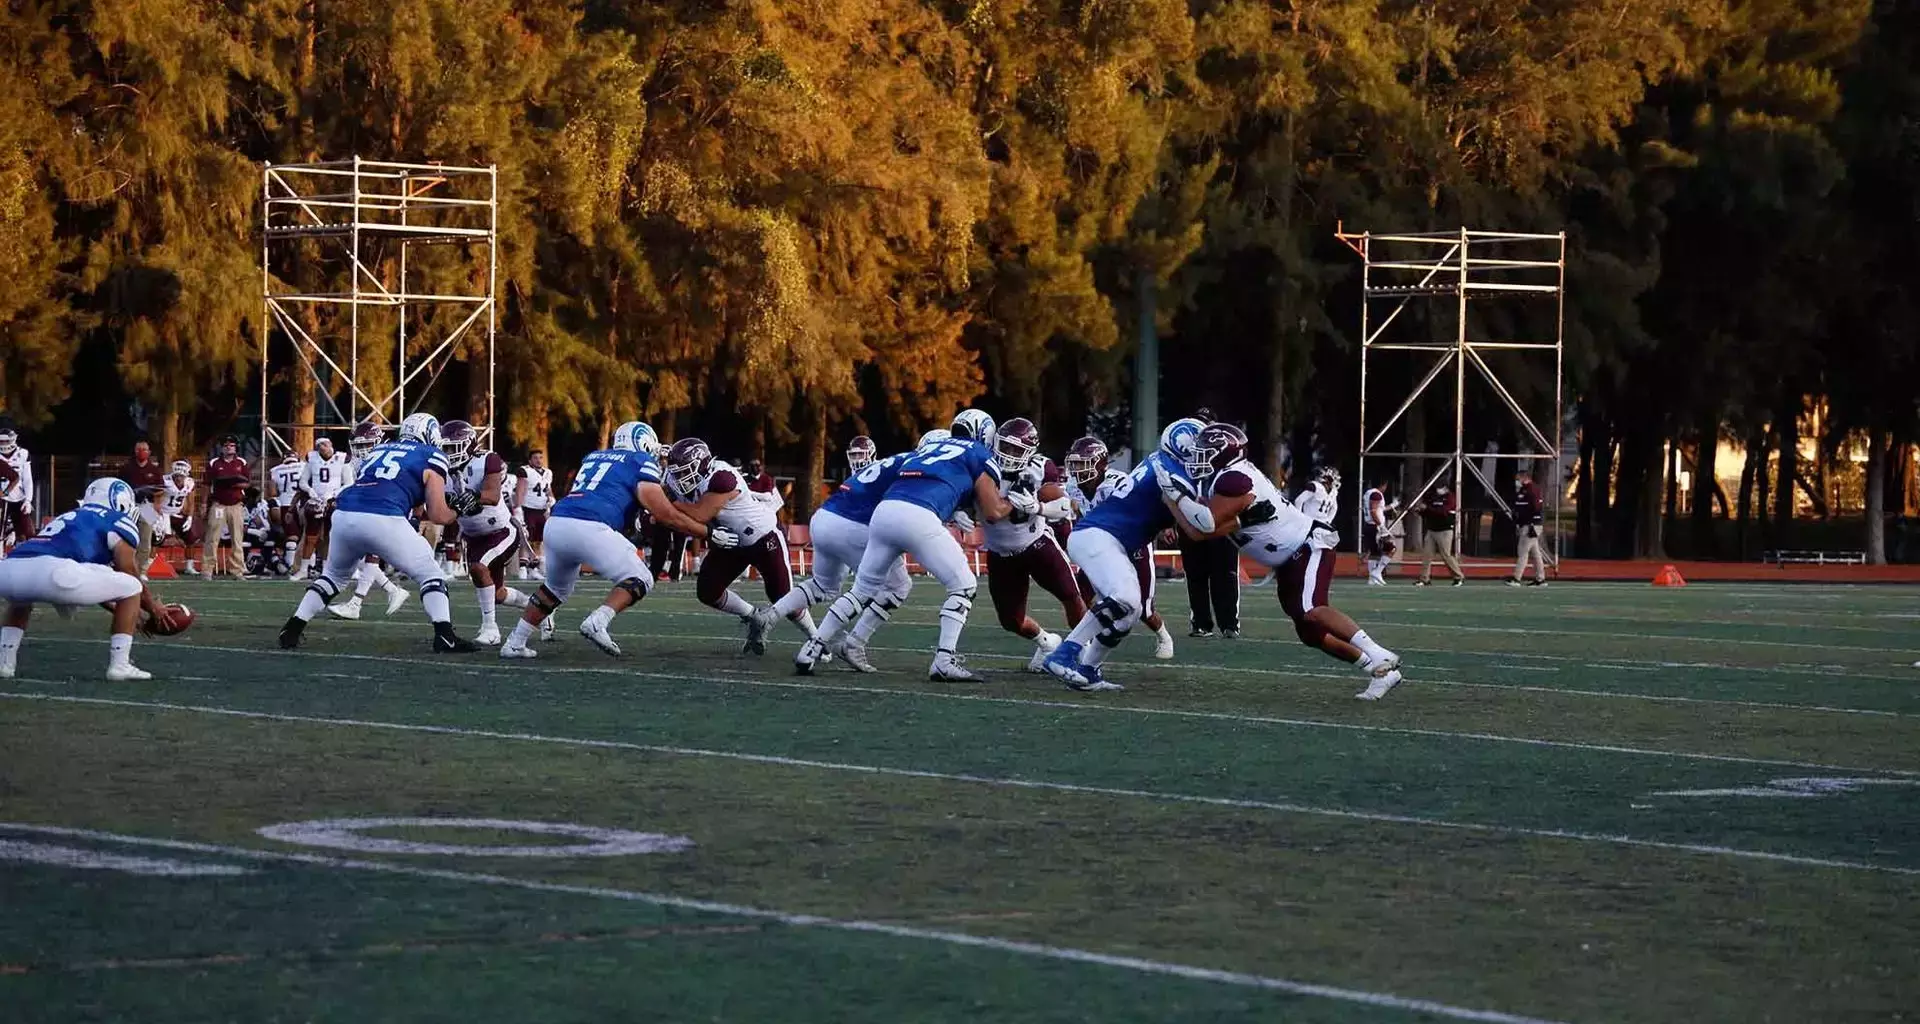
(1219, 445)
(1086, 459)
(365, 437)
(1016, 444)
(861, 451)
(689, 464)
(456, 442)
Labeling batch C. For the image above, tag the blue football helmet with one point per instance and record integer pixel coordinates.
(109, 493)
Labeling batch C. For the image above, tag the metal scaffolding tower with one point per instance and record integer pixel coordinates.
(359, 220)
(1455, 273)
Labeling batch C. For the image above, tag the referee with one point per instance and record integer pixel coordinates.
(1213, 578)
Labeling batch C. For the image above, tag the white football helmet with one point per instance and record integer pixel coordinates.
(9, 440)
(974, 425)
(635, 436)
(181, 467)
(422, 427)
(1179, 437)
(934, 436)
(110, 493)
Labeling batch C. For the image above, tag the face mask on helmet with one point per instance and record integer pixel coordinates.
(365, 438)
(689, 463)
(9, 442)
(1015, 445)
(456, 443)
(1177, 440)
(861, 452)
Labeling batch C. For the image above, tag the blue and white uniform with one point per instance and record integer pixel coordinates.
(373, 516)
(589, 526)
(70, 561)
(1125, 521)
(838, 534)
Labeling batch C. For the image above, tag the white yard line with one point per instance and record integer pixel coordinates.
(979, 780)
(1089, 705)
(899, 931)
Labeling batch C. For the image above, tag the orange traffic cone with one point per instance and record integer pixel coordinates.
(161, 569)
(1668, 576)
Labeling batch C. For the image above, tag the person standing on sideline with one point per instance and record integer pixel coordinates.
(223, 513)
(1212, 565)
(1376, 544)
(534, 500)
(1438, 516)
(148, 478)
(1526, 524)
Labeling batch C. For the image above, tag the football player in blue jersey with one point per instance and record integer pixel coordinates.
(1143, 503)
(83, 557)
(371, 518)
(838, 532)
(934, 482)
(589, 527)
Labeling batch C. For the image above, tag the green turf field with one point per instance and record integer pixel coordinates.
(1589, 803)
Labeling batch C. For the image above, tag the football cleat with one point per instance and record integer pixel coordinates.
(348, 609)
(1044, 644)
(291, 632)
(7, 670)
(1380, 666)
(396, 596)
(1064, 664)
(809, 653)
(596, 631)
(518, 651)
(548, 630)
(756, 635)
(853, 654)
(1096, 683)
(1512, 581)
(488, 635)
(446, 641)
(126, 672)
(1382, 683)
(949, 668)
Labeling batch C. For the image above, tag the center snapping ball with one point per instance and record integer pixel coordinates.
(182, 618)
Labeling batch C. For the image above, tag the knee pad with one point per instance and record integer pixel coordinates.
(958, 604)
(816, 594)
(326, 588)
(1116, 621)
(634, 585)
(433, 587)
(543, 599)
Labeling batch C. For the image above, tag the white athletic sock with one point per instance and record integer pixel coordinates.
(735, 605)
(953, 619)
(371, 576)
(795, 600)
(516, 598)
(10, 637)
(805, 621)
(1095, 653)
(604, 614)
(439, 609)
(1373, 651)
(120, 649)
(487, 600)
(877, 614)
(1087, 629)
(1163, 633)
(522, 632)
(310, 605)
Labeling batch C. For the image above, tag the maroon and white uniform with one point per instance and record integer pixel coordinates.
(16, 495)
(538, 500)
(490, 535)
(323, 479)
(1303, 582)
(178, 508)
(755, 517)
(1023, 549)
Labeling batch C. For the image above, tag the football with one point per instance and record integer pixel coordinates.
(182, 618)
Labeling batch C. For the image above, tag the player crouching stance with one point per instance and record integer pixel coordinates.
(370, 518)
(1140, 506)
(587, 528)
(1296, 543)
(487, 529)
(83, 557)
(711, 491)
(934, 482)
(1022, 549)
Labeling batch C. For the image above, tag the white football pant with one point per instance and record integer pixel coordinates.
(1118, 602)
(573, 544)
(63, 581)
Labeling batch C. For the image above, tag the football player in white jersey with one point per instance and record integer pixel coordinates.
(487, 530)
(286, 506)
(16, 490)
(178, 506)
(323, 475)
(533, 498)
(1090, 481)
(1375, 545)
(711, 491)
(1294, 541)
(1024, 549)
